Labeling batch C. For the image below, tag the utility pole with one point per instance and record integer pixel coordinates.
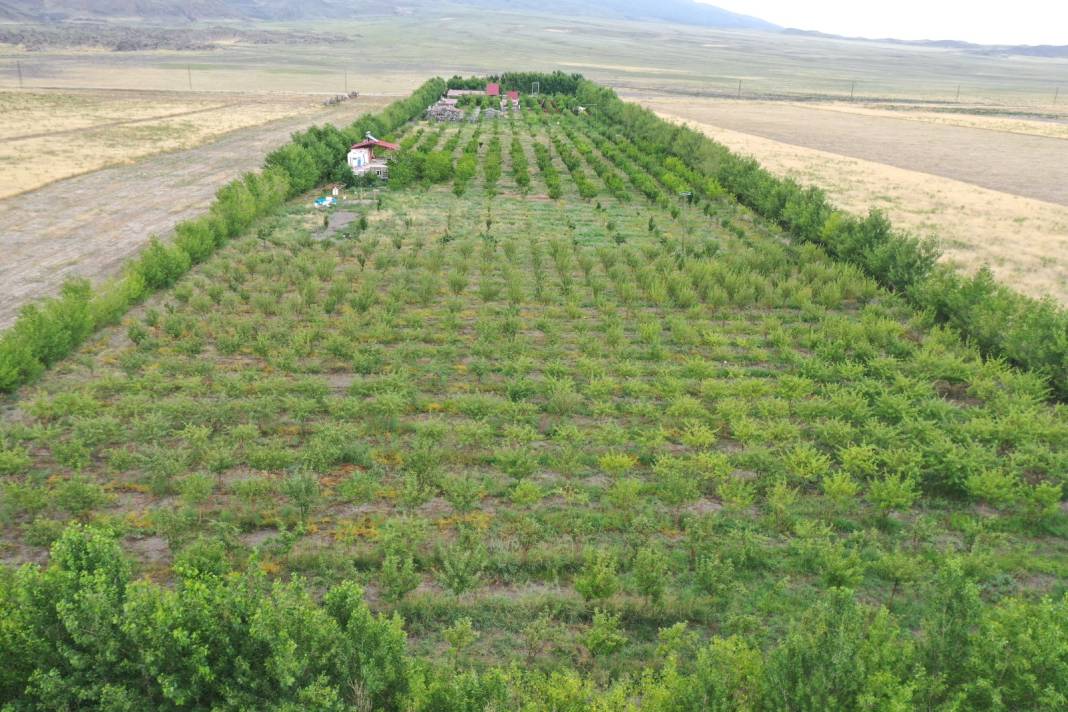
(1056, 94)
(189, 75)
(739, 88)
(958, 93)
(852, 89)
(346, 81)
(18, 66)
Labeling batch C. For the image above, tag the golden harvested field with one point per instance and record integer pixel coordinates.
(48, 135)
(1023, 239)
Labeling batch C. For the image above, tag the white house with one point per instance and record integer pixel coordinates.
(362, 158)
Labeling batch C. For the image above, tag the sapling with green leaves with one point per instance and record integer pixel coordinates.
(605, 635)
(599, 578)
(651, 574)
(841, 490)
(892, 493)
(303, 491)
(462, 491)
(398, 576)
(461, 635)
(460, 567)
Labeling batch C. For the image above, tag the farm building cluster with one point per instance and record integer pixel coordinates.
(450, 107)
(368, 157)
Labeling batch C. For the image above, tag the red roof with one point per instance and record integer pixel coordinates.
(493, 89)
(375, 143)
(513, 96)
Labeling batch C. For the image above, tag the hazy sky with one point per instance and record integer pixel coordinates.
(984, 21)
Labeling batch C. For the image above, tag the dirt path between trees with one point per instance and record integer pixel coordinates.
(87, 226)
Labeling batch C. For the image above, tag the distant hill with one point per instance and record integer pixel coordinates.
(970, 47)
(687, 12)
(681, 11)
(60, 10)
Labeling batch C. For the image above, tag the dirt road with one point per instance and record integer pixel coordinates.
(89, 225)
(1029, 166)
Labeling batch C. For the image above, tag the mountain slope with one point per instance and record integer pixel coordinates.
(681, 11)
(971, 47)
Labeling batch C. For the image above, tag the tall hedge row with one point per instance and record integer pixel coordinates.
(51, 329)
(1029, 333)
(549, 83)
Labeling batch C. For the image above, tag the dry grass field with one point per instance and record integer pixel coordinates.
(48, 135)
(1052, 123)
(1022, 238)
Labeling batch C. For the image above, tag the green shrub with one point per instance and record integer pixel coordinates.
(13, 461)
(197, 238)
(82, 633)
(462, 492)
(598, 579)
(605, 635)
(335, 445)
(398, 577)
(892, 493)
(18, 364)
(161, 265)
(460, 567)
(839, 657)
(651, 573)
(303, 491)
(438, 167)
(995, 487)
(45, 333)
(115, 298)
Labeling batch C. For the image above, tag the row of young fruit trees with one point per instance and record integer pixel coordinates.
(82, 632)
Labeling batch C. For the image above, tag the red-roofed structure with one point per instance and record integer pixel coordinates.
(513, 96)
(362, 158)
(493, 89)
(374, 143)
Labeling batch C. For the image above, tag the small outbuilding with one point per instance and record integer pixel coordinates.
(363, 158)
(493, 89)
